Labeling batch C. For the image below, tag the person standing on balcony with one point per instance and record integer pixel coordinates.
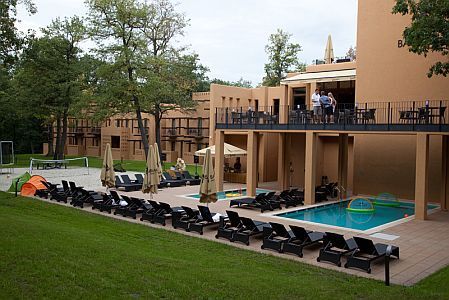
(327, 107)
(334, 106)
(316, 106)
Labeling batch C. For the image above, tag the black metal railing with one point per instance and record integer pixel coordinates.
(370, 116)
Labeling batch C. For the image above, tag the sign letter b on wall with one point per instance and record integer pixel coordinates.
(401, 44)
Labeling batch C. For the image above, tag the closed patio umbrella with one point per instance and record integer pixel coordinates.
(208, 190)
(329, 53)
(107, 175)
(151, 178)
(158, 161)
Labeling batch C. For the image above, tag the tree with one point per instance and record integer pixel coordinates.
(239, 83)
(428, 31)
(282, 58)
(11, 40)
(135, 40)
(352, 53)
(49, 78)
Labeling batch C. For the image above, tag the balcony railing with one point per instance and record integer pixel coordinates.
(432, 116)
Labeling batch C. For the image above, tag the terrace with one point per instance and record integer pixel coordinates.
(409, 116)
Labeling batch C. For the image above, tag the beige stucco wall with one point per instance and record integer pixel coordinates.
(384, 71)
(391, 166)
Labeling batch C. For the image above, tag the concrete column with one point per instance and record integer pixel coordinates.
(283, 165)
(310, 165)
(445, 174)
(421, 179)
(219, 159)
(283, 109)
(251, 168)
(343, 163)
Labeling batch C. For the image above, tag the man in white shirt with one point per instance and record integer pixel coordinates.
(316, 104)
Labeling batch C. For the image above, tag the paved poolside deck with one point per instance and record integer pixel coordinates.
(423, 244)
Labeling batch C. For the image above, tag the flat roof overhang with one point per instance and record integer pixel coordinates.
(327, 76)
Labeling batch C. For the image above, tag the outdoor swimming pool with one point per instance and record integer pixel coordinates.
(229, 194)
(336, 214)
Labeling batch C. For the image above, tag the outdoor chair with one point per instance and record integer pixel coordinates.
(55, 194)
(190, 179)
(289, 200)
(85, 197)
(276, 236)
(149, 214)
(259, 202)
(206, 219)
(303, 238)
(121, 209)
(367, 252)
(180, 177)
(335, 246)
(106, 200)
(250, 228)
(171, 182)
(184, 219)
(228, 226)
(120, 185)
(136, 206)
(111, 203)
(134, 183)
(165, 213)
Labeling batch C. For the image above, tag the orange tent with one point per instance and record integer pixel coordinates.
(31, 186)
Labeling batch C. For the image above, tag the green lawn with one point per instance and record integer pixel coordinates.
(50, 251)
(23, 161)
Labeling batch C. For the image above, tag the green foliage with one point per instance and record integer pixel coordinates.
(428, 31)
(239, 83)
(282, 58)
(142, 70)
(11, 39)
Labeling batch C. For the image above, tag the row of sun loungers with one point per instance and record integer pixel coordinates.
(126, 183)
(270, 201)
(359, 252)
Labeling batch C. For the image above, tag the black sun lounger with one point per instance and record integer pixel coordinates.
(250, 228)
(55, 194)
(288, 200)
(206, 219)
(368, 252)
(184, 219)
(106, 200)
(111, 203)
(164, 213)
(149, 214)
(258, 202)
(303, 238)
(335, 246)
(227, 228)
(119, 184)
(275, 237)
(172, 182)
(135, 206)
(86, 197)
(189, 178)
(121, 209)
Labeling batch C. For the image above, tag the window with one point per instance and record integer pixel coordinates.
(115, 142)
(173, 146)
(276, 107)
(256, 103)
(117, 123)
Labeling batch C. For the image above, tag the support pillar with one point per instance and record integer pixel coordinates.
(219, 159)
(283, 174)
(445, 174)
(421, 179)
(251, 168)
(310, 166)
(343, 139)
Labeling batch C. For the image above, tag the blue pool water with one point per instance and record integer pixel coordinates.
(222, 195)
(335, 214)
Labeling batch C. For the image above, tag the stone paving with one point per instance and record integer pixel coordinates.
(423, 244)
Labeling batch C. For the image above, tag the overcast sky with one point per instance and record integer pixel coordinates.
(230, 35)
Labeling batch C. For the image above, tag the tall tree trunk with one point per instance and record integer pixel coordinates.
(64, 134)
(157, 123)
(51, 151)
(58, 136)
(143, 132)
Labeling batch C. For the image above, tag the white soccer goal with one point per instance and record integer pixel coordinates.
(6, 157)
(68, 167)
